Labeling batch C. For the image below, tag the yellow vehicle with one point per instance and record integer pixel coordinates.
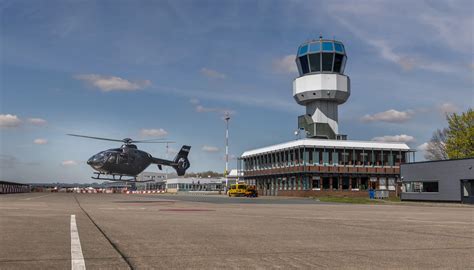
(240, 190)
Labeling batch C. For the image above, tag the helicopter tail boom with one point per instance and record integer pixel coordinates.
(180, 162)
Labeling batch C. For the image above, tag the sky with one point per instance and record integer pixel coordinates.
(171, 69)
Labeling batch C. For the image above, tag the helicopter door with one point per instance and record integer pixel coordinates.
(122, 158)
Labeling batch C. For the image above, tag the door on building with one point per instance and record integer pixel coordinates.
(467, 191)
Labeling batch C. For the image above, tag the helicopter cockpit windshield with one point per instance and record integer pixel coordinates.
(98, 159)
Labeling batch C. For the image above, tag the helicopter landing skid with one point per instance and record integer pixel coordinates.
(113, 178)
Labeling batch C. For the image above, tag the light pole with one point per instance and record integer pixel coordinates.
(226, 118)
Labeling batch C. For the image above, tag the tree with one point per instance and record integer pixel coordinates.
(460, 136)
(436, 148)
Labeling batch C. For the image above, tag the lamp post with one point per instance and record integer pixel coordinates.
(226, 118)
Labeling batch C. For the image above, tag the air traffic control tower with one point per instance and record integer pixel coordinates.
(321, 87)
(324, 162)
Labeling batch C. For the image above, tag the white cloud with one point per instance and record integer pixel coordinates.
(362, 19)
(422, 147)
(443, 24)
(37, 121)
(391, 116)
(68, 163)
(202, 109)
(395, 138)
(210, 149)
(285, 64)
(448, 108)
(9, 121)
(213, 74)
(153, 132)
(40, 141)
(112, 83)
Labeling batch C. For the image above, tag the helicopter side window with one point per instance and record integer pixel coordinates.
(112, 158)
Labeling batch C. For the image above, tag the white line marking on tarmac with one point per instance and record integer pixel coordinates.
(77, 259)
(30, 198)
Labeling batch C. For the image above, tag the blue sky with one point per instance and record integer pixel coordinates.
(145, 69)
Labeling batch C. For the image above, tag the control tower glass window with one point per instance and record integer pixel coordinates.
(315, 47)
(339, 47)
(327, 47)
(327, 60)
(338, 62)
(304, 64)
(315, 62)
(303, 50)
(321, 56)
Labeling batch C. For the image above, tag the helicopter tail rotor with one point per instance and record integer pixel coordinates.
(181, 162)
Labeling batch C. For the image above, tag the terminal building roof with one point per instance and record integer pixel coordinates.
(338, 144)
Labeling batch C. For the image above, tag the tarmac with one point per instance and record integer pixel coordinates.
(158, 231)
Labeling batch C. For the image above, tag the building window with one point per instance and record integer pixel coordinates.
(421, 186)
(335, 183)
(382, 183)
(364, 183)
(354, 184)
(345, 183)
(391, 184)
(315, 62)
(327, 60)
(335, 158)
(316, 183)
(345, 158)
(304, 64)
(338, 62)
(326, 183)
(325, 158)
(316, 157)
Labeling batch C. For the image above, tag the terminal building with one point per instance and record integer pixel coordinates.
(324, 162)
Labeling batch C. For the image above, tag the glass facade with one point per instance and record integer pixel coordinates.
(321, 56)
(309, 156)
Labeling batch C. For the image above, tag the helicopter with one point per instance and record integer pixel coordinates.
(128, 161)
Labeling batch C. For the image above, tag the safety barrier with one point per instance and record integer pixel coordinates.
(144, 191)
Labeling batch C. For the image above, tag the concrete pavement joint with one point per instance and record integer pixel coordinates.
(105, 235)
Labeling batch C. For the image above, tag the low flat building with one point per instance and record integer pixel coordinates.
(12, 187)
(443, 180)
(320, 167)
(194, 184)
(151, 181)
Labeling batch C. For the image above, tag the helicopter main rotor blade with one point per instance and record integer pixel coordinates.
(96, 138)
(153, 142)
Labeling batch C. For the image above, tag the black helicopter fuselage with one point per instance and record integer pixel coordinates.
(127, 160)
(130, 161)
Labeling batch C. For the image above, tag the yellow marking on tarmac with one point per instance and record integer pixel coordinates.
(77, 258)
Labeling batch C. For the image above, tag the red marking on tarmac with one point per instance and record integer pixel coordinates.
(186, 210)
